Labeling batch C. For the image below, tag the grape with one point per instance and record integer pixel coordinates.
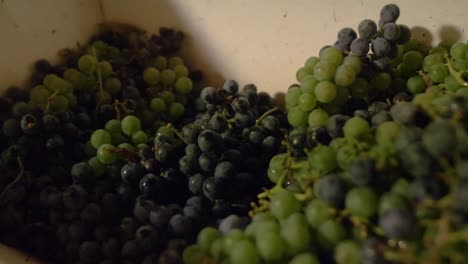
(130, 124)
(361, 201)
(168, 77)
(345, 75)
(331, 56)
(325, 91)
(390, 201)
(389, 13)
(451, 83)
(183, 85)
(307, 102)
(458, 50)
(380, 47)
(330, 233)
(158, 105)
(304, 258)
(271, 246)
(356, 127)
(151, 76)
(176, 110)
(354, 62)
(431, 60)
(360, 88)
(360, 47)
(308, 84)
(331, 189)
(174, 61)
(139, 137)
(381, 81)
(244, 252)
(324, 71)
(348, 251)
(296, 236)
(206, 237)
(105, 154)
(98, 167)
(292, 97)
(397, 223)
(362, 171)
(297, 117)
(416, 85)
(304, 72)
(438, 138)
(87, 64)
(323, 158)
(367, 29)
(346, 35)
(40, 94)
(317, 117)
(413, 60)
(438, 73)
(181, 71)
(100, 137)
(283, 204)
(387, 132)
(317, 212)
(391, 31)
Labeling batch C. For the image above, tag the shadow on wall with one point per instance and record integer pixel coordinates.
(448, 34)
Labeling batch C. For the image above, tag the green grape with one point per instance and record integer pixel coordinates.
(206, 237)
(112, 85)
(360, 88)
(332, 56)
(48, 79)
(87, 64)
(404, 69)
(60, 85)
(438, 73)
(217, 248)
(262, 227)
(356, 127)
(72, 100)
(459, 50)
(130, 124)
(296, 236)
(416, 84)
(323, 158)
(39, 95)
(297, 117)
(264, 216)
(233, 237)
(304, 258)
(105, 154)
(361, 201)
(345, 75)
(244, 252)
(274, 174)
(307, 102)
(354, 62)
(105, 68)
(176, 110)
(308, 84)
(174, 61)
(460, 65)
(103, 97)
(183, 85)
(59, 103)
(98, 167)
(100, 137)
(284, 204)
(271, 246)
(438, 49)
(387, 132)
(181, 71)
(391, 200)
(193, 255)
(303, 72)
(311, 61)
(325, 91)
(401, 187)
(431, 60)
(317, 212)
(71, 74)
(89, 150)
(324, 71)
(381, 81)
(413, 60)
(462, 91)
(118, 138)
(438, 138)
(152, 76)
(113, 126)
(168, 77)
(330, 233)
(292, 96)
(348, 252)
(423, 99)
(318, 117)
(167, 96)
(139, 137)
(165, 131)
(158, 105)
(160, 63)
(126, 146)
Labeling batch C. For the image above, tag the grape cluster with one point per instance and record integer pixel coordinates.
(379, 180)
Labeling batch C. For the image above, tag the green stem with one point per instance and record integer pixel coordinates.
(98, 70)
(178, 134)
(267, 113)
(458, 75)
(11, 184)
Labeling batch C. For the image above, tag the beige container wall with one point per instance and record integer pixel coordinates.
(259, 41)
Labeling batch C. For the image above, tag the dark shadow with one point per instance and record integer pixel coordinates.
(449, 34)
(422, 36)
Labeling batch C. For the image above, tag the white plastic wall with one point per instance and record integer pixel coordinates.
(259, 41)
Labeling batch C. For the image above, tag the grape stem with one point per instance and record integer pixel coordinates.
(11, 184)
(178, 134)
(101, 89)
(50, 100)
(267, 113)
(458, 75)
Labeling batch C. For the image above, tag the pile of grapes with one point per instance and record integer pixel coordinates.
(119, 154)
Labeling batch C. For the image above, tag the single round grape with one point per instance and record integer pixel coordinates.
(325, 91)
(345, 75)
(356, 127)
(105, 154)
(158, 105)
(391, 200)
(397, 223)
(206, 237)
(405, 35)
(160, 63)
(130, 124)
(387, 132)
(431, 60)
(307, 102)
(361, 201)
(303, 72)
(40, 95)
(367, 29)
(438, 138)
(381, 81)
(181, 71)
(346, 35)
(317, 212)
(308, 84)
(304, 258)
(389, 13)
(318, 117)
(438, 73)
(244, 252)
(311, 61)
(296, 235)
(100, 137)
(459, 50)
(126, 146)
(360, 88)
(331, 56)
(413, 59)
(324, 71)
(151, 76)
(297, 117)
(98, 167)
(112, 85)
(60, 85)
(283, 204)
(323, 158)
(292, 96)
(87, 64)
(113, 126)
(183, 85)
(391, 31)
(348, 252)
(416, 85)
(359, 47)
(354, 62)
(380, 47)
(271, 246)
(451, 83)
(176, 110)
(168, 77)
(59, 103)
(139, 137)
(174, 61)
(330, 233)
